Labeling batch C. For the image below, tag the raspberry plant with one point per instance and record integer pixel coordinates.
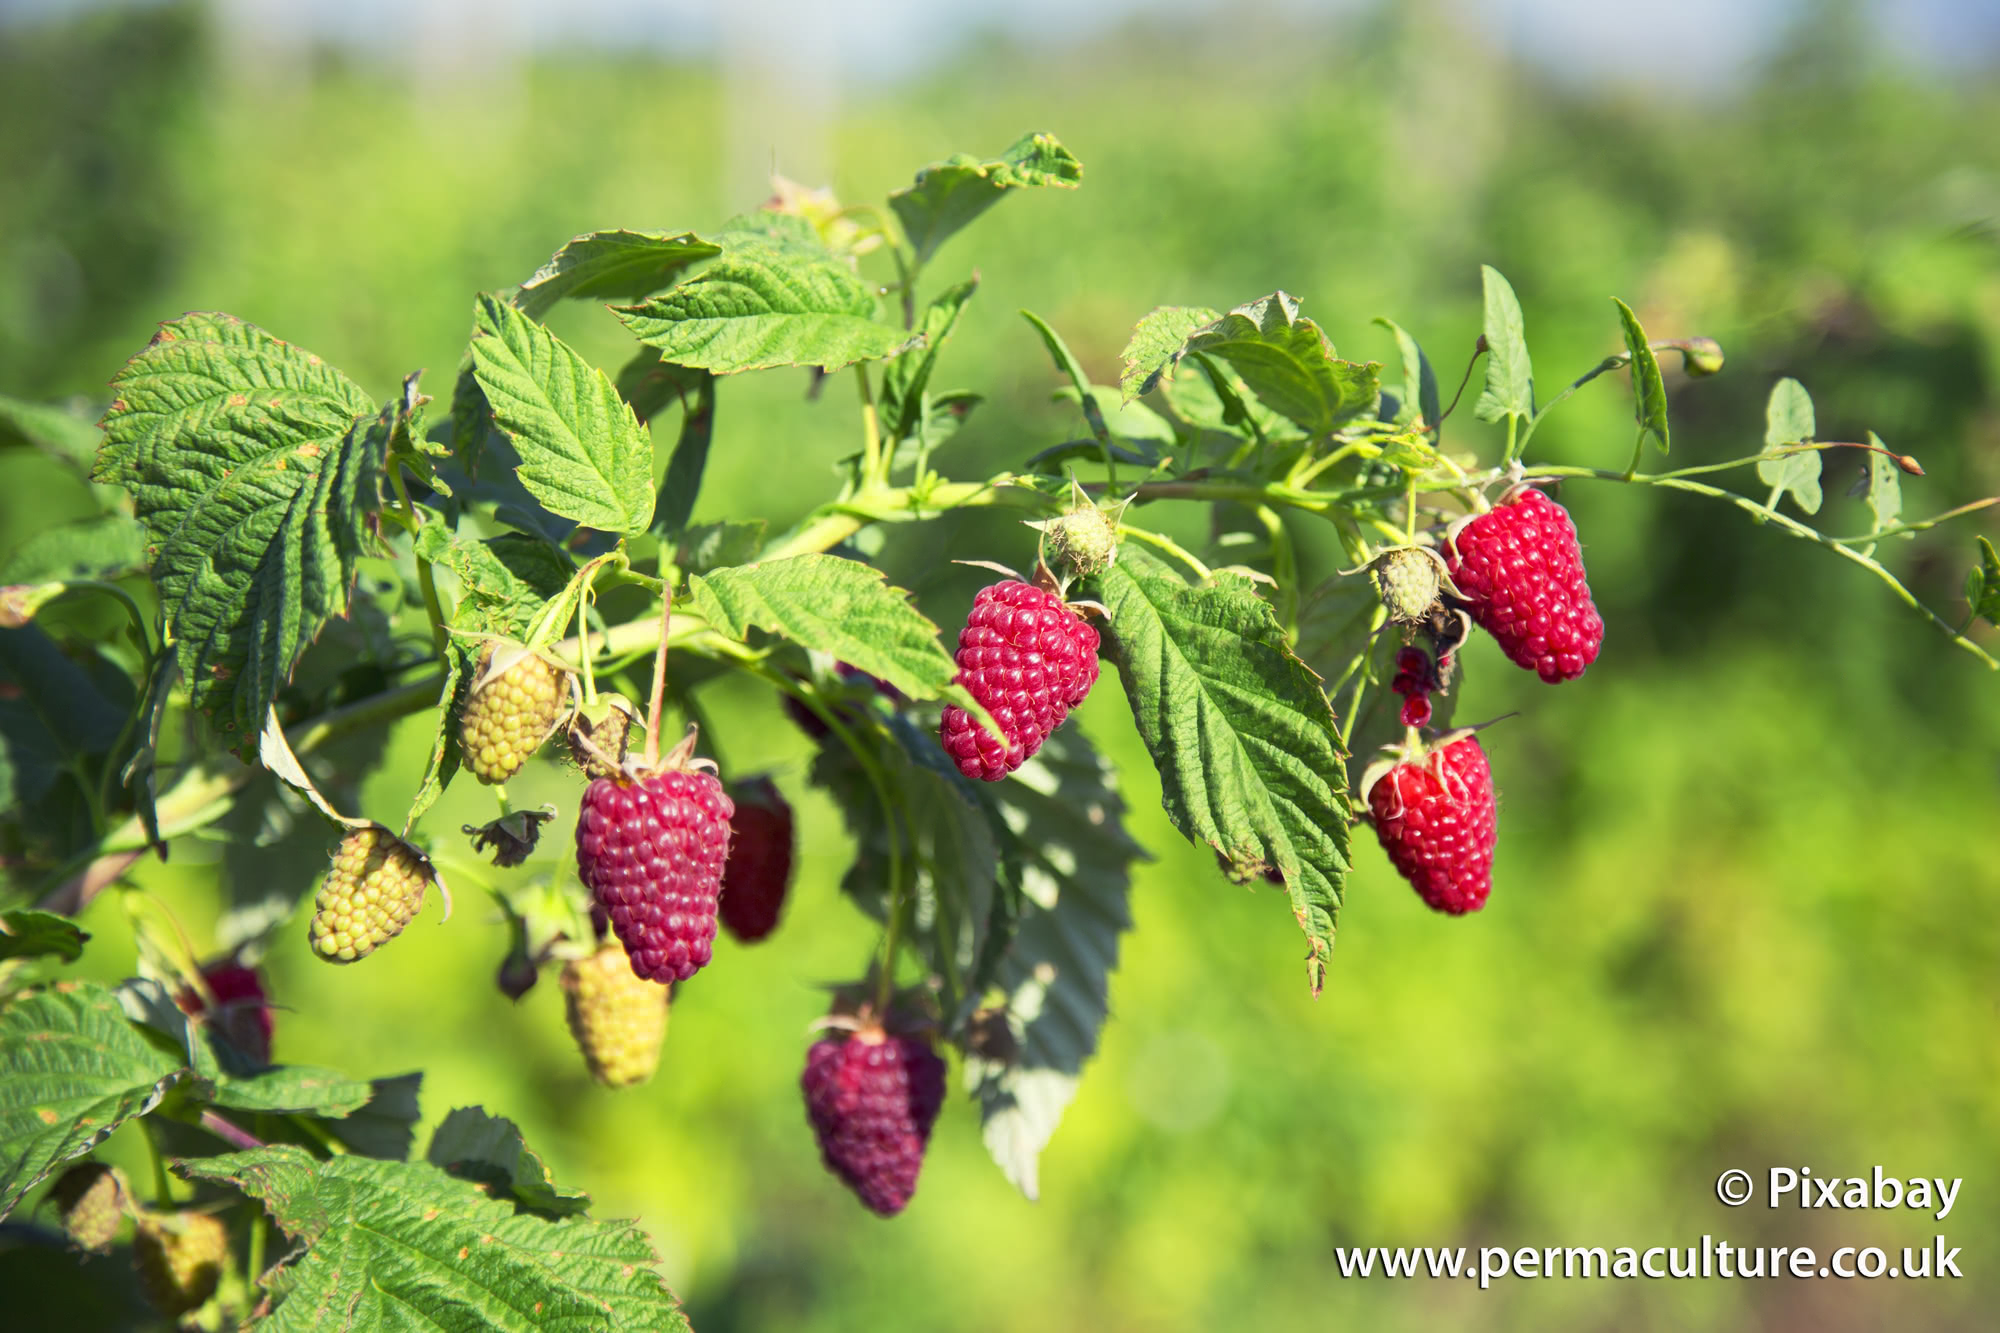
(301, 565)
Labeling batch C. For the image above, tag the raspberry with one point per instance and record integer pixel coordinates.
(1408, 579)
(1028, 659)
(650, 850)
(516, 701)
(242, 1012)
(618, 1018)
(92, 1200)
(1435, 817)
(1084, 540)
(1417, 710)
(376, 885)
(1521, 572)
(872, 1099)
(180, 1258)
(759, 868)
(599, 736)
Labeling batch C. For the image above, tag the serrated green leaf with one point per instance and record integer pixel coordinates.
(763, 305)
(1288, 363)
(708, 546)
(1420, 384)
(1788, 419)
(682, 483)
(1510, 375)
(621, 265)
(255, 468)
(489, 1150)
(405, 1245)
(1239, 728)
(583, 454)
(1983, 587)
(25, 933)
(105, 547)
(649, 385)
(72, 1069)
(445, 757)
(503, 581)
(905, 379)
(831, 605)
(1156, 345)
(1065, 813)
(1210, 396)
(949, 194)
(293, 1089)
(1649, 391)
(386, 1126)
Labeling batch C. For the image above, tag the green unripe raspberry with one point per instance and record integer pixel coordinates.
(91, 1198)
(1085, 539)
(1409, 579)
(618, 1018)
(180, 1258)
(517, 699)
(600, 734)
(376, 885)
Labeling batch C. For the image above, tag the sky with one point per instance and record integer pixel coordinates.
(1658, 43)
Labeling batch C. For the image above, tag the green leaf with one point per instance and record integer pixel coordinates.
(1064, 810)
(905, 379)
(583, 454)
(1649, 391)
(1420, 384)
(1239, 729)
(29, 934)
(828, 604)
(293, 1089)
(764, 305)
(1210, 396)
(446, 755)
(1289, 365)
(1125, 420)
(1885, 486)
(105, 547)
(682, 483)
(1983, 585)
(504, 581)
(949, 194)
(1157, 343)
(623, 265)
(1079, 379)
(256, 470)
(386, 1126)
(1788, 419)
(708, 546)
(649, 384)
(405, 1245)
(489, 1150)
(1510, 376)
(53, 430)
(72, 1069)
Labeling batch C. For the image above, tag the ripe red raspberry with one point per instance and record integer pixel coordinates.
(1417, 710)
(1435, 816)
(759, 869)
(650, 850)
(1521, 571)
(242, 1010)
(872, 1099)
(1029, 659)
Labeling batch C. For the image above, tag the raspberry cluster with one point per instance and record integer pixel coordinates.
(375, 887)
(872, 1098)
(651, 851)
(1520, 569)
(759, 868)
(510, 713)
(1436, 818)
(1028, 659)
(618, 1018)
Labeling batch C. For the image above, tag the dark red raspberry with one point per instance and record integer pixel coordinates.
(650, 850)
(1435, 816)
(1029, 659)
(1521, 571)
(759, 869)
(872, 1099)
(1417, 710)
(1413, 662)
(242, 1012)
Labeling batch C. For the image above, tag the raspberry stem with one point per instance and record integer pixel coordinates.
(659, 680)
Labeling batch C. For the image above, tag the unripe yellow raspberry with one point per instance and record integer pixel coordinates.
(375, 887)
(180, 1258)
(516, 700)
(618, 1018)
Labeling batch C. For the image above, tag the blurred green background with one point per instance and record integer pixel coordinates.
(1747, 902)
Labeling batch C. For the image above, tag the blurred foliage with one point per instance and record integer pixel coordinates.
(1745, 906)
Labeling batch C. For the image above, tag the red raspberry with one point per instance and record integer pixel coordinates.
(759, 869)
(872, 1099)
(650, 850)
(1435, 817)
(242, 1010)
(1413, 662)
(1417, 710)
(1029, 659)
(1521, 571)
